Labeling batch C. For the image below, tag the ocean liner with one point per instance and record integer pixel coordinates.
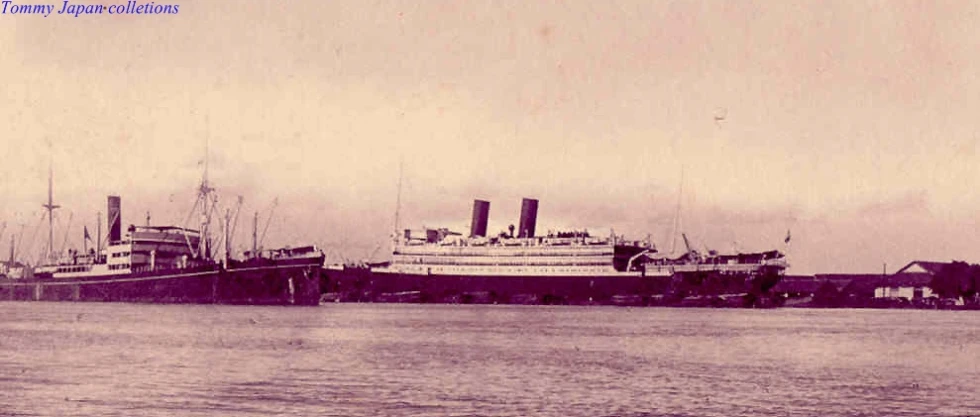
(166, 264)
(439, 265)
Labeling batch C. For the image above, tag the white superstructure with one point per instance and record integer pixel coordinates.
(504, 256)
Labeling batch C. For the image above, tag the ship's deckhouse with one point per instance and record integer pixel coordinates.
(153, 247)
(522, 256)
(522, 253)
(141, 249)
(442, 252)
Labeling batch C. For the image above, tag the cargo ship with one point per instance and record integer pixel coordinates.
(166, 264)
(439, 265)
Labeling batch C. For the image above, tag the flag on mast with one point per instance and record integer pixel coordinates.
(87, 236)
(787, 236)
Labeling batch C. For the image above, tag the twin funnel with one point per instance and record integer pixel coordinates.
(481, 214)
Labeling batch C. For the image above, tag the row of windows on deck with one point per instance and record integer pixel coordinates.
(552, 252)
(521, 270)
(74, 268)
(514, 263)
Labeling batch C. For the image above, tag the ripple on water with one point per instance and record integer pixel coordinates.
(420, 360)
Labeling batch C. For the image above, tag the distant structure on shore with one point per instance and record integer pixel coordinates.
(912, 286)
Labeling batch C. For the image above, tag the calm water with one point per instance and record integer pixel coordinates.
(409, 360)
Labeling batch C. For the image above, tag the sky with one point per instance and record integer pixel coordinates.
(851, 125)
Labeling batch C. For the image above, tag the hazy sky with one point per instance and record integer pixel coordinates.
(853, 124)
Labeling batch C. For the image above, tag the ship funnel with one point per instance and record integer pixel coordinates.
(529, 217)
(481, 213)
(115, 219)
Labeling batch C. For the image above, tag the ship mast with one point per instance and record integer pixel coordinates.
(204, 196)
(227, 236)
(677, 214)
(398, 198)
(98, 236)
(50, 207)
(255, 235)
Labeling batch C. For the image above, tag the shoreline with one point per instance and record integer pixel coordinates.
(726, 301)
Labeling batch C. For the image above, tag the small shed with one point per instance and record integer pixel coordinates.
(911, 282)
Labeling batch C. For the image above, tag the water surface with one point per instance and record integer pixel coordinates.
(435, 360)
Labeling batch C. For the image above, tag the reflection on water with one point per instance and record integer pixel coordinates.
(367, 360)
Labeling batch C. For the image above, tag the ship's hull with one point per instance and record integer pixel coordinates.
(252, 284)
(696, 288)
(366, 285)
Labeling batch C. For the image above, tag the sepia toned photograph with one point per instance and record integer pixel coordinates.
(489, 208)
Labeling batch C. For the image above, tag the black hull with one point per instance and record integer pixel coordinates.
(279, 284)
(363, 285)
(694, 290)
